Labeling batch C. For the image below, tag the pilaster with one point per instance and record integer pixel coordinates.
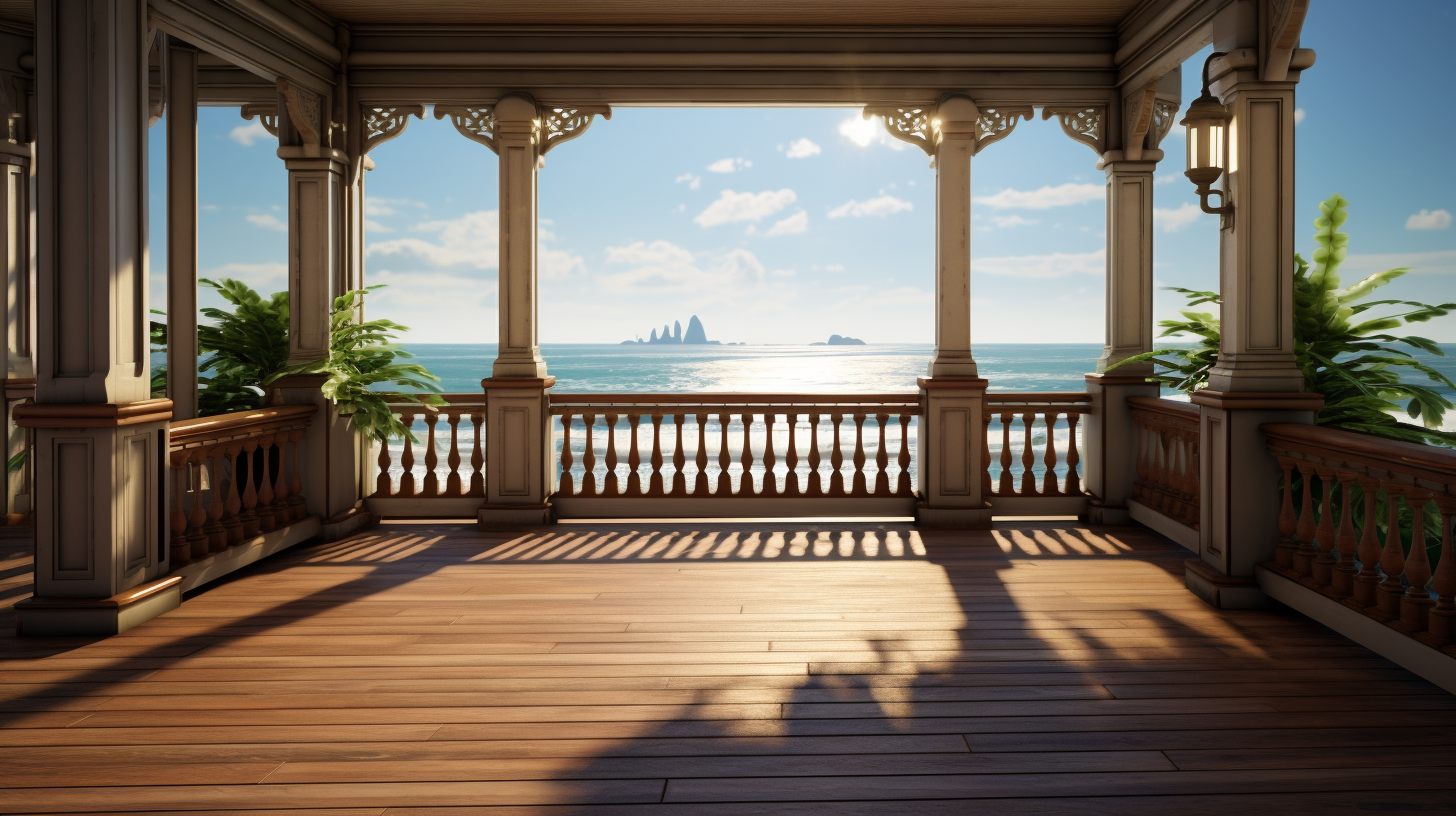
(952, 425)
(181, 67)
(519, 453)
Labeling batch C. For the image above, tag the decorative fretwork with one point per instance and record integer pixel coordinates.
(384, 123)
(266, 114)
(1082, 124)
(474, 123)
(996, 124)
(1164, 112)
(557, 125)
(305, 111)
(913, 125)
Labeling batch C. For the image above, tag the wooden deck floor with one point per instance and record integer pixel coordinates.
(717, 668)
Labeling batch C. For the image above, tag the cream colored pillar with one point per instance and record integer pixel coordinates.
(16, 205)
(100, 438)
(316, 239)
(516, 133)
(181, 66)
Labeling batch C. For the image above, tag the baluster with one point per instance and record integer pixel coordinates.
(882, 458)
(1441, 626)
(905, 487)
(589, 457)
(745, 482)
(197, 515)
(611, 486)
(1028, 455)
(477, 456)
(383, 483)
(1050, 486)
(770, 480)
(634, 459)
(1342, 578)
(857, 486)
(1369, 576)
(252, 524)
(836, 459)
(295, 489)
(282, 513)
(452, 481)
(1305, 529)
(1074, 457)
(266, 519)
(816, 481)
(432, 456)
(725, 481)
(407, 456)
(1284, 550)
(1191, 478)
(1160, 467)
(791, 458)
(700, 485)
(217, 537)
(1005, 485)
(655, 480)
(178, 548)
(1392, 558)
(565, 486)
(1323, 565)
(986, 487)
(679, 459)
(1140, 461)
(233, 506)
(1417, 601)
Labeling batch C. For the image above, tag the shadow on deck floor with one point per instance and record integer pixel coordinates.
(754, 667)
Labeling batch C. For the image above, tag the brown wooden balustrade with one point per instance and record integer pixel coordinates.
(1167, 458)
(451, 439)
(1031, 447)
(234, 476)
(1339, 490)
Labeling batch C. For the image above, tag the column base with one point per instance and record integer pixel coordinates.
(1105, 512)
(63, 617)
(1223, 591)
(348, 523)
(953, 518)
(510, 516)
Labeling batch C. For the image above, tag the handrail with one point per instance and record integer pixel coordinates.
(1038, 397)
(733, 399)
(1161, 405)
(236, 425)
(1414, 459)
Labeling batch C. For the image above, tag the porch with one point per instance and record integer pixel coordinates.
(695, 667)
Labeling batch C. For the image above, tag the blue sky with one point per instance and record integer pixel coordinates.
(787, 225)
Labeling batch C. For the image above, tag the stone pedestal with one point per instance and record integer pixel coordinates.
(333, 458)
(952, 427)
(519, 456)
(1110, 445)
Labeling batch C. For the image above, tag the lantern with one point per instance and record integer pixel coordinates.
(1207, 124)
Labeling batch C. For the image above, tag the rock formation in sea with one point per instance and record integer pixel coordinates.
(836, 340)
(695, 335)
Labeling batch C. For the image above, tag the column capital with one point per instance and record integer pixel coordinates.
(520, 117)
(954, 118)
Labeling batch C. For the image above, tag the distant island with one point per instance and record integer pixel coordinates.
(695, 335)
(836, 340)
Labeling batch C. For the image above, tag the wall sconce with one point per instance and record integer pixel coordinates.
(1207, 123)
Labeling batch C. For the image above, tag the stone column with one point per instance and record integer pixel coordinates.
(16, 214)
(100, 438)
(1256, 380)
(952, 398)
(181, 66)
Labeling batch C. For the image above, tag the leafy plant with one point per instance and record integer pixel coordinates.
(158, 333)
(362, 360)
(1353, 361)
(248, 347)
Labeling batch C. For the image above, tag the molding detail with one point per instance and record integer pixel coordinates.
(474, 123)
(997, 123)
(913, 125)
(557, 125)
(1285, 20)
(384, 123)
(305, 111)
(1082, 124)
(1164, 113)
(267, 114)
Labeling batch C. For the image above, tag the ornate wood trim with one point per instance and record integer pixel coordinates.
(475, 122)
(912, 125)
(1086, 125)
(267, 114)
(382, 123)
(997, 123)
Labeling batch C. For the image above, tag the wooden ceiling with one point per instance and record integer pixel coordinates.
(851, 13)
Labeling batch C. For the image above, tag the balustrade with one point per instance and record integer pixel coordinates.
(234, 476)
(1167, 458)
(456, 430)
(1031, 446)
(1345, 499)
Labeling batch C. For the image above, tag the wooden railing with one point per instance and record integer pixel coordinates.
(1167, 458)
(441, 470)
(17, 499)
(1032, 450)
(784, 447)
(233, 477)
(1341, 535)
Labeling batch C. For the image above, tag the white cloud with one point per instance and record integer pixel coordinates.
(265, 277)
(793, 225)
(662, 265)
(558, 263)
(377, 207)
(470, 240)
(249, 134)
(694, 182)
(1440, 262)
(802, 149)
(208, 207)
(865, 132)
(1169, 179)
(1045, 197)
(1298, 115)
(1175, 220)
(1013, 221)
(882, 206)
(1055, 265)
(783, 273)
(267, 221)
(438, 306)
(375, 226)
(1429, 220)
(732, 207)
(834, 268)
(730, 165)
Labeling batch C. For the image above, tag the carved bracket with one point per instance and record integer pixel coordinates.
(474, 123)
(267, 114)
(305, 111)
(913, 125)
(1284, 20)
(557, 125)
(1083, 124)
(997, 123)
(1165, 111)
(384, 123)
